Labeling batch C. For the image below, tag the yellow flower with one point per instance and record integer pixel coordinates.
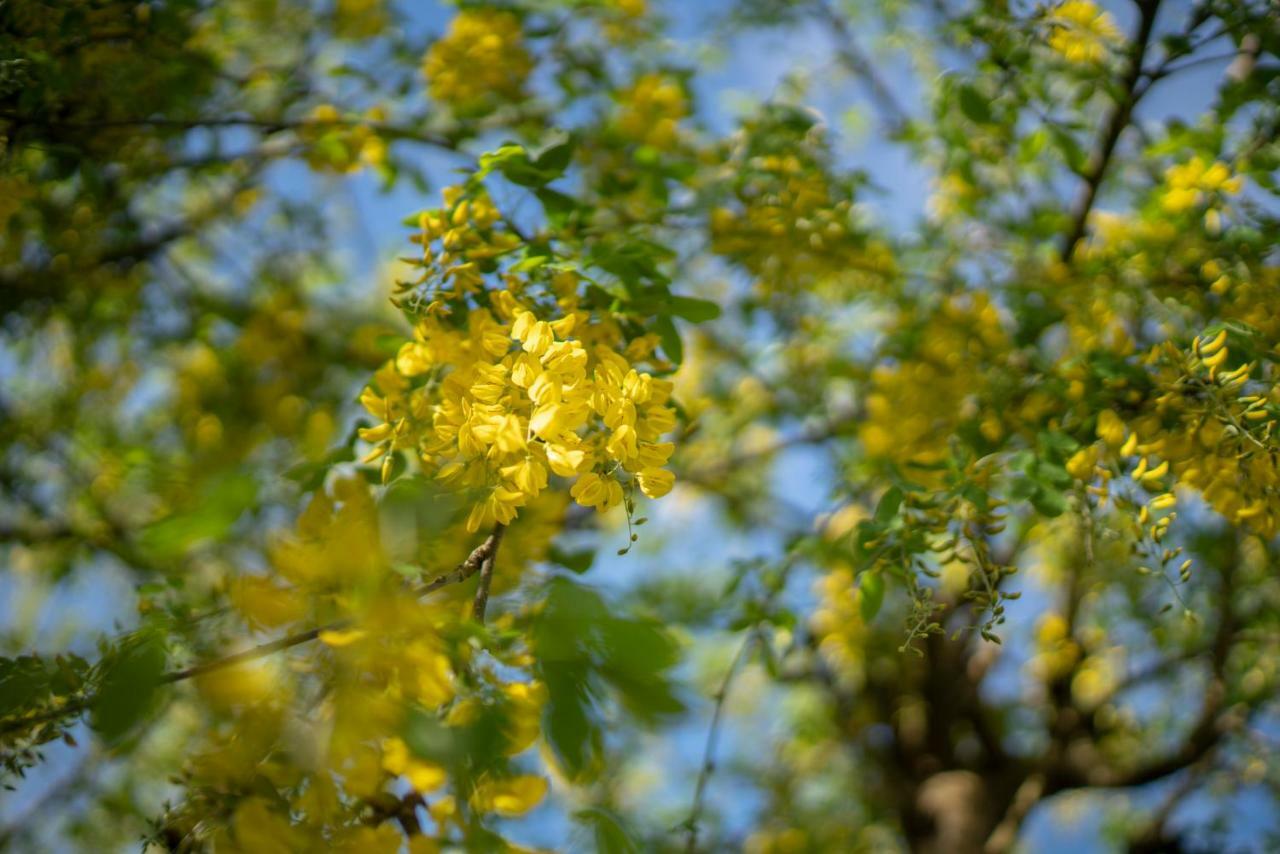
(341, 638)
(565, 461)
(263, 603)
(651, 111)
(497, 419)
(258, 828)
(499, 508)
(243, 685)
(422, 776)
(1081, 31)
(1081, 464)
(525, 701)
(655, 483)
(481, 58)
(1188, 183)
(1110, 428)
(589, 490)
(592, 490)
(512, 796)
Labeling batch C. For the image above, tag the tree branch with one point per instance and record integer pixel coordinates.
(269, 126)
(486, 573)
(1117, 121)
(709, 750)
(1205, 733)
(1006, 833)
(851, 55)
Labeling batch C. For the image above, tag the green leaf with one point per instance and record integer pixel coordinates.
(609, 833)
(694, 310)
(974, 105)
(222, 502)
(887, 508)
(24, 682)
(130, 682)
(559, 207)
(1072, 152)
(530, 263)
(577, 561)
(871, 584)
(1049, 501)
(569, 727)
(582, 649)
(556, 158)
(513, 162)
(670, 338)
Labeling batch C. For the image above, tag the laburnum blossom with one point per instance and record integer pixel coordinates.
(789, 217)
(481, 58)
(497, 401)
(1190, 184)
(910, 410)
(1211, 441)
(343, 144)
(1081, 32)
(651, 111)
(391, 656)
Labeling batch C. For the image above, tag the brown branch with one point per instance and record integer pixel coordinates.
(1155, 838)
(851, 55)
(1117, 121)
(468, 567)
(260, 651)
(1006, 832)
(486, 573)
(268, 126)
(814, 435)
(1205, 734)
(708, 766)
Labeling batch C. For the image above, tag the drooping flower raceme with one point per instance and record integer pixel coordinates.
(480, 59)
(500, 390)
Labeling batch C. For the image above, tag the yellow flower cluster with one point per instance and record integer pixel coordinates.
(1056, 653)
(651, 111)
(393, 654)
(837, 624)
(623, 20)
(1208, 426)
(338, 145)
(494, 399)
(1215, 433)
(482, 58)
(359, 19)
(915, 403)
(1081, 32)
(790, 228)
(270, 350)
(1190, 184)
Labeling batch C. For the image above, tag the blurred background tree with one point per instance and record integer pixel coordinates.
(957, 322)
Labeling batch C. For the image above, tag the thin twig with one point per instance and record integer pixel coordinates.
(480, 556)
(389, 130)
(486, 573)
(851, 55)
(814, 435)
(709, 751)
(260, 651)
(1115, 125)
